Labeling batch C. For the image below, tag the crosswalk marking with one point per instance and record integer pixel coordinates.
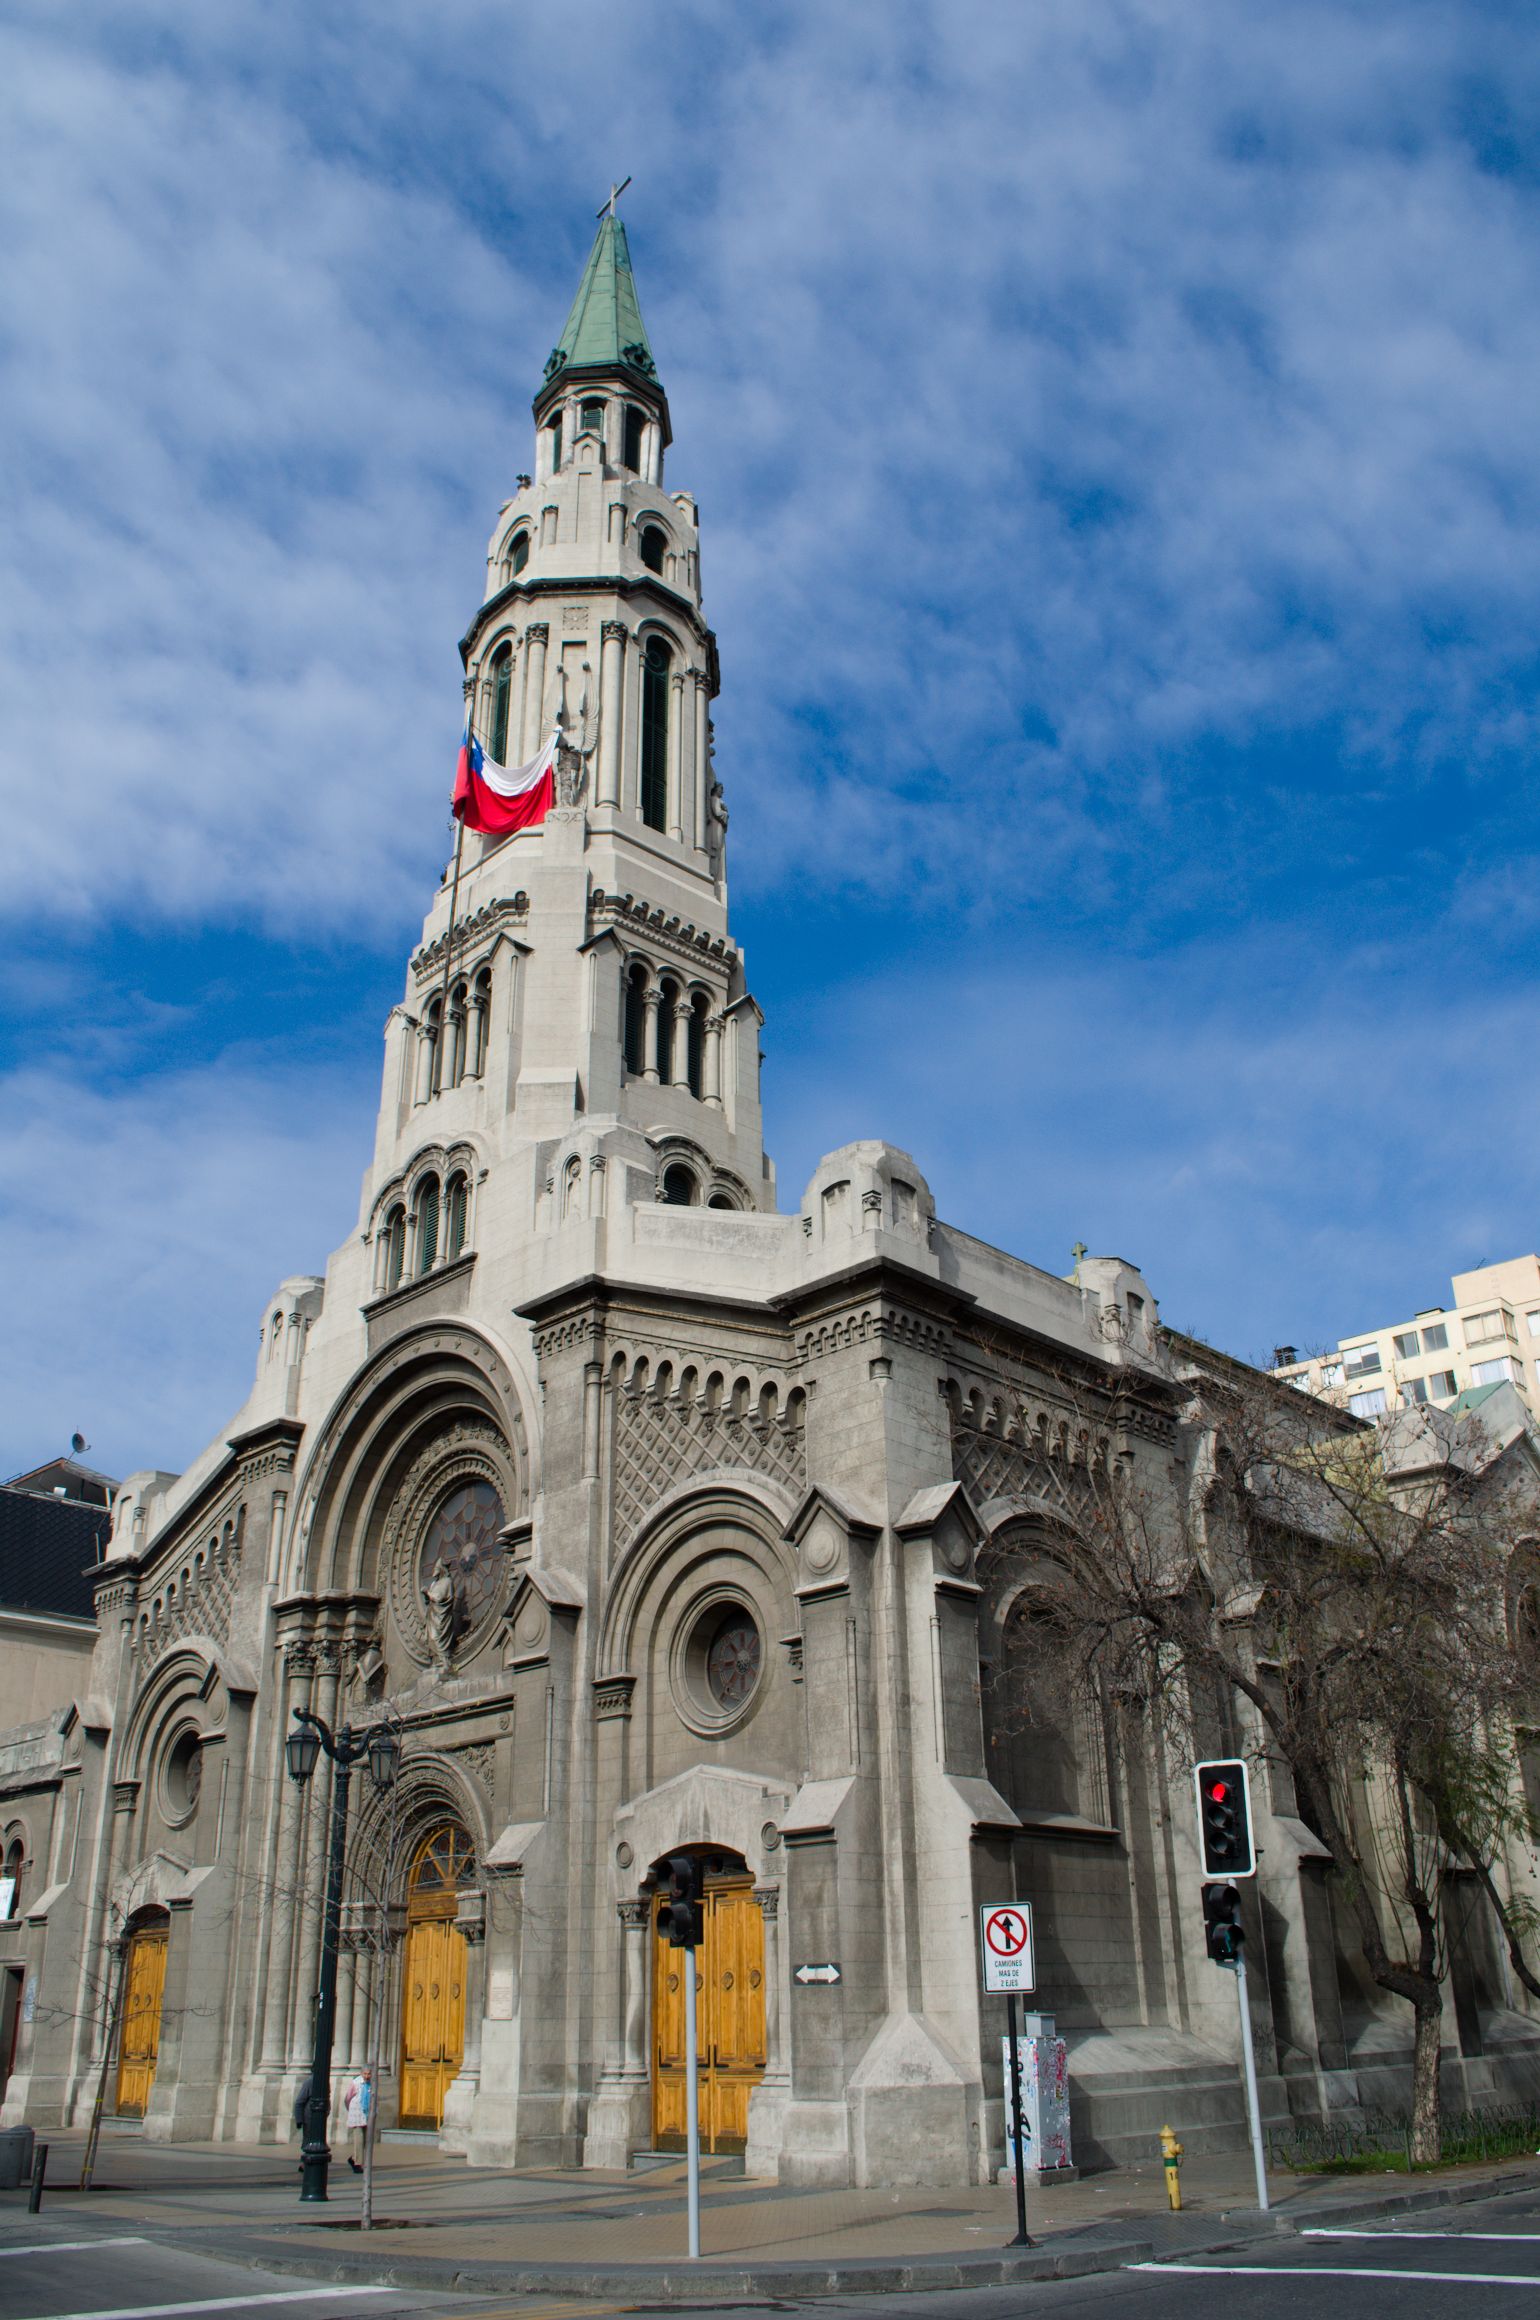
(1296, 2272)
(338, 2291)
(1336, 2231)
(68, 2247)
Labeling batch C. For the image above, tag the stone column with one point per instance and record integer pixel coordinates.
(680, 1057)
(702, 759)
(769, 1899)
(635, 1920)
(676, 757)
(427, 1044)
(652, 1002)
(713, 1061)
(298, 1662)
(532, 721)
(612, 678)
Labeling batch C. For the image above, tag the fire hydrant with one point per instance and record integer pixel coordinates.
(1171, 2160)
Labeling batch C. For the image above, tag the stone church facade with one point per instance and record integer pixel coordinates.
(656, 1520)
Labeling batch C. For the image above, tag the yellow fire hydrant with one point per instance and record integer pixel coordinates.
(1171, 2160)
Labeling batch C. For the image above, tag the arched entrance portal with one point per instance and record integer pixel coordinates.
(144, 1985)
(433, 1975)
(729, 2016)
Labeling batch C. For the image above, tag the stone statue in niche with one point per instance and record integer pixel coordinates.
(441, 1603)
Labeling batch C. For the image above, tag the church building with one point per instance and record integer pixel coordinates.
(653, 1517)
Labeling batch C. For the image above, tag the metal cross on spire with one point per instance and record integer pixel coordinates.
(608, 209)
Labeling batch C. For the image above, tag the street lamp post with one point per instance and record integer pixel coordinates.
(304, 1748)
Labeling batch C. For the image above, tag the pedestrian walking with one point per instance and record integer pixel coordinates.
(357, 2096)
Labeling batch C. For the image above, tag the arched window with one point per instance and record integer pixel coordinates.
(668, 1059)
(720, 1200)
(679, 1186)
(502, 696)
(518, 554)
(432, 1025)
(636, 1022)
(456, 1206)
(427, 1223)
(591, 419)
(572, 1187)
(556, 443)
(395, 1247)
(651, 545)
(695, 1045)
(635, 423)
(10, 1891)
(656, 662)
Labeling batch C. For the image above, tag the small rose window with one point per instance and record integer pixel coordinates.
(733, 1659)
(464, 1533)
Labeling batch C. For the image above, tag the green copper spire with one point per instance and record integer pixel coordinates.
(605, 330)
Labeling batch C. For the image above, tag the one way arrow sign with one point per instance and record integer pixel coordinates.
(805, 1974)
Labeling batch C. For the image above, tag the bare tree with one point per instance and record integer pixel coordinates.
(1340, 1592)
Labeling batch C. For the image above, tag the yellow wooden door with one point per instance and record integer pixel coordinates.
(729, 2021)
(144, 1983)
(433, 2019)
(433, 1976)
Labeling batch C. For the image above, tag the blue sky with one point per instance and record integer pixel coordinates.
(1116, 434)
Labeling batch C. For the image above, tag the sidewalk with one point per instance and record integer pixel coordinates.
(443, 2226)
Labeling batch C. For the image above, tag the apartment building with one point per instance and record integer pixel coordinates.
(1489, 1335)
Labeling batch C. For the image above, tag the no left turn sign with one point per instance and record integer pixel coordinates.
(1005, 1939)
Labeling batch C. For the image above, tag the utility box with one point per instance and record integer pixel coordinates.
(16, 2149)
(1044, 2102)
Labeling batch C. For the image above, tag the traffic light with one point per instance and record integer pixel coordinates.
(682, 1920)
(1224, 1820)
(1222, 1923)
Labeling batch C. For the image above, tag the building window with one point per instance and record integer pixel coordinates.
(1331, 1373)
(1443, 1385)
(1406, 1345)
(1435, 1339)
(655, 688)
(591, 419)
(1491, 1373)
(456, 1207)
(678, 1187)
(1361, 1361)
(395, 1247)
(1367, 1405)
(1532, 1324)
(636, 1022)
(10, 1881)
(695, 1050)
(481, 1009)
(1485, 1328)
(635, 423)
(556, 443)
(427, 1223)
(502, 695)
(650, 547)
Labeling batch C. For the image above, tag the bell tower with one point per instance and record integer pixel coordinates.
(588, 986)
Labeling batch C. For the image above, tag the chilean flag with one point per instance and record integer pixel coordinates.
(498, 799)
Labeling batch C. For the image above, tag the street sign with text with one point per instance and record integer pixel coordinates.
(1005, 1940)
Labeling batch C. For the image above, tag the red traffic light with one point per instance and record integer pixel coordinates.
(1224, 1819)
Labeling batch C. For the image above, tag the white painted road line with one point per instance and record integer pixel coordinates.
(339, 2289)
(1239, 2272)
(68, 2247)
(1335, 2232)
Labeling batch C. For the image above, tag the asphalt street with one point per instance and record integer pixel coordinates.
(48, 2273)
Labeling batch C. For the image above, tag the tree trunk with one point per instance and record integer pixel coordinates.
(1426, 2129)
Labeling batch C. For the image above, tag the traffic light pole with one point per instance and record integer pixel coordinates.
(1023, 2236)
(1253, 2106)
(692, 2105)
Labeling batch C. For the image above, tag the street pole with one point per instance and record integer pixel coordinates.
(1253, 2106)
(315, 2155)
(692, 2107)
(118, 1953)
(303, 1748)
(1023, 2236)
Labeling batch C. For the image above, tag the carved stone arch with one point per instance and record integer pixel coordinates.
(417, 1388)
(150, 1885)
(682, 1531)
(438, 1159)
(431, 1788)
(191, 1689)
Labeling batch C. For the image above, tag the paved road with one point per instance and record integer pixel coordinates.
(47, 2272)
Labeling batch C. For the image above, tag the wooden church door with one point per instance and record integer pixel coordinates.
(729, 2020)
(144, 1985)
(433, 1977)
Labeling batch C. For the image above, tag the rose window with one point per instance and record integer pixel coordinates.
(732, 1660)
(464, 1536)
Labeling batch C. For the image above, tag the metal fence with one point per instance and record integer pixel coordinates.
(1499, 2132)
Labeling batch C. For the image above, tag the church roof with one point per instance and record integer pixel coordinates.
(605, 330)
